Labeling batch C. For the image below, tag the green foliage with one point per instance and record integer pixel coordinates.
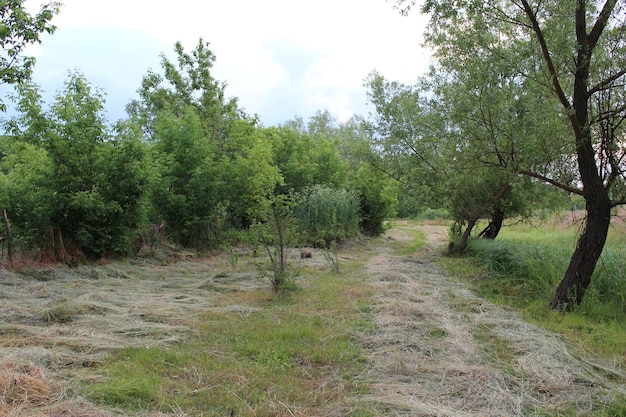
(378, 199)
(83, 183)
(326, 214)
(308, 157)
(406, 139)
(183, 192)
(276, 230)
(212, 164)
(19, 29)
(24, 172)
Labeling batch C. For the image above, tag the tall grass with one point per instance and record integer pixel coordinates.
(523, 267)
(326, 214)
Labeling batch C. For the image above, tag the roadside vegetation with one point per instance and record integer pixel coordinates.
(189, 259)
(521, 268)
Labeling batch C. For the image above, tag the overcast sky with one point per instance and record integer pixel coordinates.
(281, 58)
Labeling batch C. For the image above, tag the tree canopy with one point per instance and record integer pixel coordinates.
(18, 29)
(560, 67)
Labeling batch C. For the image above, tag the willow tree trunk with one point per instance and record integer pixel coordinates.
(493, 228)
(471, 222)
(572, 287)
(589, 247)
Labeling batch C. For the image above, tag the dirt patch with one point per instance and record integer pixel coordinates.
(441, 351)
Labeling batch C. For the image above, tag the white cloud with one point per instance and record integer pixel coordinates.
(281, 58)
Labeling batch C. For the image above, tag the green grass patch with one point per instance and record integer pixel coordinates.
(523, 267)
(417, 239)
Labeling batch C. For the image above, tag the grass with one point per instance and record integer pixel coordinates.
(255, 353)
(522, 268)
(415, 240)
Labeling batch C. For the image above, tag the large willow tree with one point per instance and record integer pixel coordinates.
(571, 53)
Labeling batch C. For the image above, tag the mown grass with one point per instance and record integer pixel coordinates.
(256, 353)
(523, 267)
(416, 239)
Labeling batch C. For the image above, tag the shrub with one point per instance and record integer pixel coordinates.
(325, 214)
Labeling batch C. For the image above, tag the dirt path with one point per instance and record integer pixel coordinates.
(441, 351)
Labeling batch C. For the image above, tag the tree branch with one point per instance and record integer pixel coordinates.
(550, 181)
(601, 23)
(551, 68)
(602, 84)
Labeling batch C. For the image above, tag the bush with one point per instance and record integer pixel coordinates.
(325, 214)
(379, 199)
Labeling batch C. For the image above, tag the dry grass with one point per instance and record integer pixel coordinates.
(435, 349)
(441, 351)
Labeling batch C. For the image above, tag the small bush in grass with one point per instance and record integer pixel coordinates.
(326, 214)
(276, 231)
(332, 256)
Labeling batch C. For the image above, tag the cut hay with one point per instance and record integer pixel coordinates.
(79, 408)
(20, 385)
(441, 351)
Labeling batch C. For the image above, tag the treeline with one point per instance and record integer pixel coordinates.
(188, 163)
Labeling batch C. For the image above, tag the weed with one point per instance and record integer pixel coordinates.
(332, 256)
(233, 256)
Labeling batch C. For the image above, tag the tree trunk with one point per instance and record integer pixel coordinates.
(589, 247)
(494, 226)
(466, 234)
(476, 216)
(571, 290)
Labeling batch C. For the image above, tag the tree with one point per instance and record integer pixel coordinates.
(308, 155)
(405, 138)
(18, 29)
(212, 163)
(420, 134)
(574, 51)
(276, 230)
(92, 190)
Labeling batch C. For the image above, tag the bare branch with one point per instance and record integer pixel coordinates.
(550, 181)
(609, 114)
(604, 83)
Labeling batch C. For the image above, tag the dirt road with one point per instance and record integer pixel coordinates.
(441, 351)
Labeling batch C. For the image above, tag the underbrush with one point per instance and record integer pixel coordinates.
(523, 267)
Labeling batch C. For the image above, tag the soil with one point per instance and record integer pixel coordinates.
(436, 349)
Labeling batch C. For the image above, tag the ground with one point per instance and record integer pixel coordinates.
(436, 349)
(442, 351)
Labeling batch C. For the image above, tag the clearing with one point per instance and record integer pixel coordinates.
(434, 349)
